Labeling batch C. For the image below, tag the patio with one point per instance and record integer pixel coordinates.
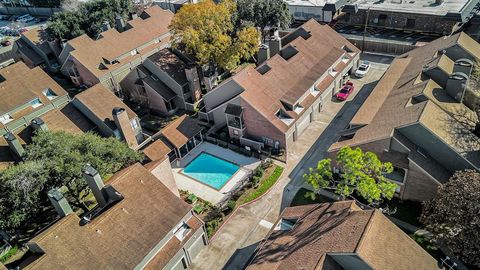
(246, 164)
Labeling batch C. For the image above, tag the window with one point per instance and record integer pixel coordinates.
(154, 77)
(134, 123)
(5, 118)
(36, 103)
(48, 93)
(285, 225)
(410, 23)
(398, 175)
(117, 134)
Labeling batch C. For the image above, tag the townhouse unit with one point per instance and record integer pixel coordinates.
(28, 94)
(420, 117)
(165, 82)
(111, 116)
(35, 49)
(338, 235)
(138, 223)
(272, 104)
(109, 58)
(175, 140)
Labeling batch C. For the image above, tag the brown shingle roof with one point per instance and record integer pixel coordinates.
(340, 227)
(390, 104)
(157, 150)
(101, 101)
(90, 53)
(67, 119)
(181, 130)
(171, 64)
(288, 81)
(121, 236)
(20, 85)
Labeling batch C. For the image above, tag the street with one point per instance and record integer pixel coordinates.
(237, 240)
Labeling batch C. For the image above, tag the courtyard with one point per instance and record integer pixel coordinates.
(205, 159)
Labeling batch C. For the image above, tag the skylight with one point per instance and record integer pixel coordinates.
(284, 117)
(182, 231)
(48, 93)
(6, 118)
(36, 103)
(285, 225)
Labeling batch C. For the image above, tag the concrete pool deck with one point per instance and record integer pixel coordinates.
(204, 191)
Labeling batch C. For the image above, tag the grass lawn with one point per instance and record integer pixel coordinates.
(270, 177)
(301, 198)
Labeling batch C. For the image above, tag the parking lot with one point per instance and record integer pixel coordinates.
(10, 29)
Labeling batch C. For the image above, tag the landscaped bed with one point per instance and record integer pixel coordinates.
(302, 198)
(263, 178)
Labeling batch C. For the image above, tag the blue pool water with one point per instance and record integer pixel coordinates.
(210, 170)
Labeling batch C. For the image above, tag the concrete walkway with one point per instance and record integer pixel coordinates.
(237, 240)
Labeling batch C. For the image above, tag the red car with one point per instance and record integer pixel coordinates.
(346, 90)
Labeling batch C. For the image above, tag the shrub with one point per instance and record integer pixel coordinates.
(258, 172)
(12, 251)
(198, 209)
(192, 198)
(231, 205)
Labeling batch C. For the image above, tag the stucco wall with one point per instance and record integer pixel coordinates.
(418, 185)
(163, 171)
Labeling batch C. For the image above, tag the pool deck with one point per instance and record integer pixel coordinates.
(203, 191)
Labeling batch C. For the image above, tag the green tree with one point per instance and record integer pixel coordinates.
(64, 156)
(21, 193)
(87, 18)
(264, 13)
(206, 30)
(453, 216)
(360, 172)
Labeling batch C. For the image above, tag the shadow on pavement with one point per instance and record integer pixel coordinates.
(329, 136)
(241, 257)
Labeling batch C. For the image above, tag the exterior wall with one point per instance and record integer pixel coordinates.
(457, 52)
(87, 77)
(218, 115)
(435, 147)
(164, 173)
(155, 102)
(418, 186)
(257, 126)
(396, 20)
(221, 94)
(164, 77)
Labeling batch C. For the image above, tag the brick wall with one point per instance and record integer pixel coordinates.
(257, 126)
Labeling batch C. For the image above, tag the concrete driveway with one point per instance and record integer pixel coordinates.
(237, 240)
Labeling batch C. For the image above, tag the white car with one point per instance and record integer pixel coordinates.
(362, 70)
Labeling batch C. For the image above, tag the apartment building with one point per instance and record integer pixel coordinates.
(338, 235)
(272, 104)
(165, 82)
(138, 223)
(28, 94)
(111, 116)
(441, 17)
(109, 58)
(420, 117)
(35, 49)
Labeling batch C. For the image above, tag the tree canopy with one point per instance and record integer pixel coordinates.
(53, 160)
(206, 30)
(264, 13)
(87, 18)
(453, 216)
(360, 172)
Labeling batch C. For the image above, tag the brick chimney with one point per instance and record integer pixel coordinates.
(14, 144)
(122, 121)
(38, 124)
(59, 202)
(96, 184)
(119, 24)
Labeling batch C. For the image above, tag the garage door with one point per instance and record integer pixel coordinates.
(303, 125)
(196, 247)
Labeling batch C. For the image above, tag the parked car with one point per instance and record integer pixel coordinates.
(362, 70)
(346, 90)
(25, 18)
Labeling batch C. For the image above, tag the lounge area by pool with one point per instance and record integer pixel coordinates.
(210, 170)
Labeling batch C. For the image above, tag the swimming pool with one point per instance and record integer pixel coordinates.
(210, 170)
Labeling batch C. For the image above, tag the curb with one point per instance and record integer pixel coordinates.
(245, 204)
